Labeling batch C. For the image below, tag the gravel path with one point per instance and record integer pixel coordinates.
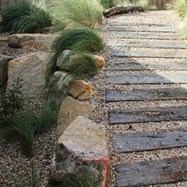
(166, 19)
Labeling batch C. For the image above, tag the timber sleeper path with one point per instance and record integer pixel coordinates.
(148, 63)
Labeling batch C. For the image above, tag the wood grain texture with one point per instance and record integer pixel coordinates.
(151, 172)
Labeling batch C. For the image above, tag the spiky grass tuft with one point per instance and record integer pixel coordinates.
(76, 39)
(84, 63)
(24, 17)
(84, 12)
(24, 126)
(107, 3)
(180, 6)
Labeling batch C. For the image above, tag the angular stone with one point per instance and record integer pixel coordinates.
(81, 90)
(3, 71)
(100, 61)
(37, 41)
(70, 109)
(82, 150)
(31, 69)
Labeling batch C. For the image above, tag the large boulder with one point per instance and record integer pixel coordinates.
(31, 70)
(81, 90)
(81, 155)
(36, 41)
(3, 71)
(70, 109)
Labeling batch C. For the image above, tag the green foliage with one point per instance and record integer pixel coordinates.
(28, 123)
(24, 126)
(84, 12)
(76, 39)
(180, 6)
(24, 17)
(146, 5)
(47, 117)
(85, 63)
(107, 3)
(19, 119)
(81, 39)
(11, 102)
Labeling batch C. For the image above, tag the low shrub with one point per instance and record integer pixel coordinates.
(24, 17)
(84, 12)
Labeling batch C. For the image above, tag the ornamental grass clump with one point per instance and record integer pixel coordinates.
(107, 3)
(83, 12)
(82, 39)
(24, 17)
(180, 6)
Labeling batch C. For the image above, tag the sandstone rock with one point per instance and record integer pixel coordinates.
(100, 61)
(81, 90)
(37, 41)
(3, 71)
(31, 69)
(82, 149)
(70, 109)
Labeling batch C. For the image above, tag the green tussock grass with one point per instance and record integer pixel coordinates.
(107, 3)
(28, 123)
(84, 12)
(183, 27)
(76, 39)
(180, 6)
(24, 17)
(143, 3)
(24, 126)
(84, 63)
